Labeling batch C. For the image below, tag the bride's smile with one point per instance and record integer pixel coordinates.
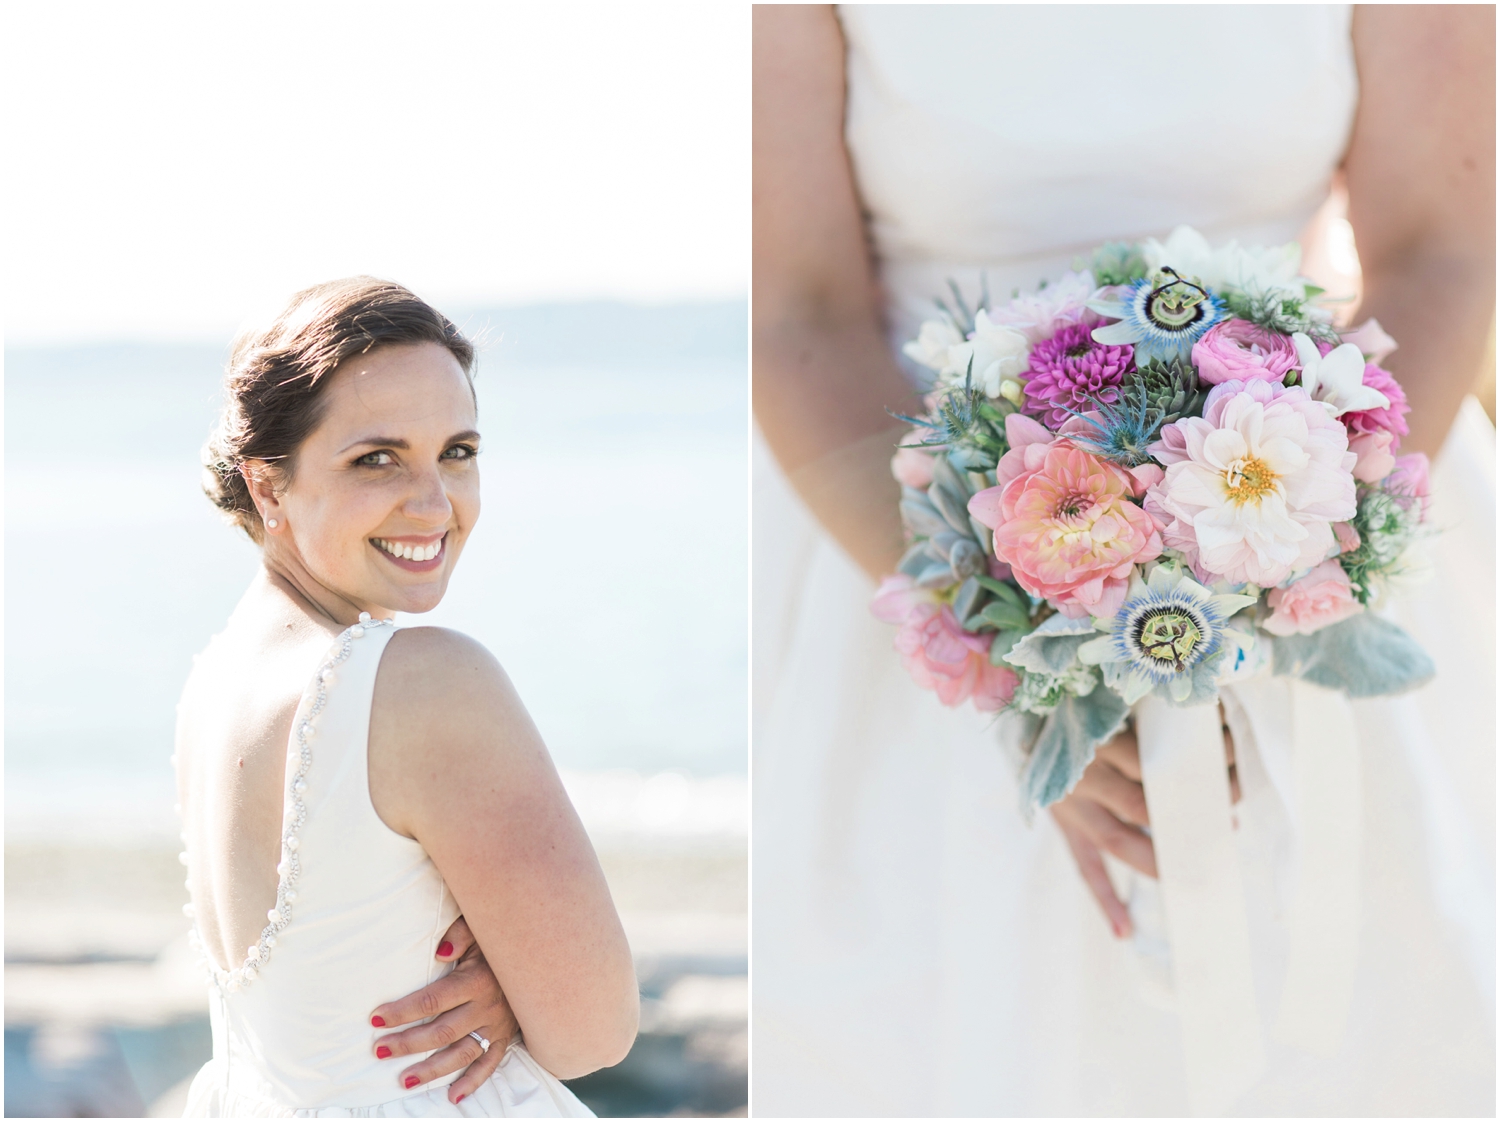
(418, 555)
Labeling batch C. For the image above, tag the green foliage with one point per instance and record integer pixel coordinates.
(1275, 311)
(1386, 525)
(1118, 263)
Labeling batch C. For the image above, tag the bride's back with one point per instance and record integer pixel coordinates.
(233, 725)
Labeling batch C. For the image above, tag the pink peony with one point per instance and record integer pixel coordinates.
(1312, 602)
(1391, 419)
(1236, 349)
(1071, 373)
(1371, 340)
(1374, 451)
(938, 653)
(1252, 486)
(1065, 522)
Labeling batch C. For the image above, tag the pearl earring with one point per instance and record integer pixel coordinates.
(272, 523)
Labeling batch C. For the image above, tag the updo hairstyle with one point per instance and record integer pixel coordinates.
(273, 386)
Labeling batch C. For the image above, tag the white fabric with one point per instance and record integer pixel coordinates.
(370, 911)
(918, 950)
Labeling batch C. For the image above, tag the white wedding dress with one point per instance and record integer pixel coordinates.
(918, 949)
(362, 911)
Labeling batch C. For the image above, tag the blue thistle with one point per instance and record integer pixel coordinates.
(1121, 430)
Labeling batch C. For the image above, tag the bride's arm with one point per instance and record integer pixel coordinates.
(823, 375)
(456, 763)
(1421, 177)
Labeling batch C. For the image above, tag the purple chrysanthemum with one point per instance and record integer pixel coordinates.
(1071, 373)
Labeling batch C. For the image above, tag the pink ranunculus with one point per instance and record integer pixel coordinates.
(1407, 481)
(1252, 486)
(1347, 535)
(1065, 522)
(912, 467)
(1389, 419)
(938, 653)
(1236, 349)
(1312, 602)
(1374, 452)
(1371, 339)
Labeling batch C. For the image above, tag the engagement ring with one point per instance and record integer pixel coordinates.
(483, 1043)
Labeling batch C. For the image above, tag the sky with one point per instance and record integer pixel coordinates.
(175, 171)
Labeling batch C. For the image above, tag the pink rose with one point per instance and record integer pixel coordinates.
(1374, 452)
(1371, 339)
(912, 468)
(1321, 597)
(1347, 535)
(1065, 521)
(938, 653)
(1239, 350)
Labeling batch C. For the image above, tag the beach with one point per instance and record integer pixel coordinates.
(106, 1008)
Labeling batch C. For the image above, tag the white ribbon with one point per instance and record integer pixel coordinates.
(1305, 738)
(1187, 793)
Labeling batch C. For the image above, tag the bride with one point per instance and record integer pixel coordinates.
(919, 951)
(349, 788)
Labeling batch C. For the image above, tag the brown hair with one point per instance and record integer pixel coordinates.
(274, 383)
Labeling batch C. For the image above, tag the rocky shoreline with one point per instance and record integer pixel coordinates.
(105, 1013)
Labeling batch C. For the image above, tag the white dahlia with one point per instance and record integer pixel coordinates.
(1253, 486)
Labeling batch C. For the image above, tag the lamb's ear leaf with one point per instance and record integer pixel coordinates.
(1364, 656)
(1069, 737)
(1053, 647)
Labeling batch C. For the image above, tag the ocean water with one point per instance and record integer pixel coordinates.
(608, 572)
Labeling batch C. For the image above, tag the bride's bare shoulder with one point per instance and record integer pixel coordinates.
(444, 711)
(433, 678)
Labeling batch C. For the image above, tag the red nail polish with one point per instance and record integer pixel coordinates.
(378, 1022)
(412, 1081)
(445, 948)
(382, 1053)
(460, 1099)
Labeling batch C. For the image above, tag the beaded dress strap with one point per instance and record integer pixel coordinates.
(289, 869)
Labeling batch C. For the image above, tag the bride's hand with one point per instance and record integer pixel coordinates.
(1105, 813)
(467, 1000)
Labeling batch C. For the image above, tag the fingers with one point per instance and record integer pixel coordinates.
(447, 1029)
(444, 994)
(455, 941)
(464, 1052)
(1126, 799)
(1106, 832)
(481, 1069)
(1091, 866)
(1123, 754)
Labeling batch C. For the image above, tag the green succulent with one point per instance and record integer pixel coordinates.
(1169, 386)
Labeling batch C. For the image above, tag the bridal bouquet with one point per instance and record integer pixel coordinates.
(1164, 472)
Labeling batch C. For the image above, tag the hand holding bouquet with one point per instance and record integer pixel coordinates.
(1159, 474)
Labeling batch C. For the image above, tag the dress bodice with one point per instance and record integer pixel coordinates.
(359, 913)
(1009, 139)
